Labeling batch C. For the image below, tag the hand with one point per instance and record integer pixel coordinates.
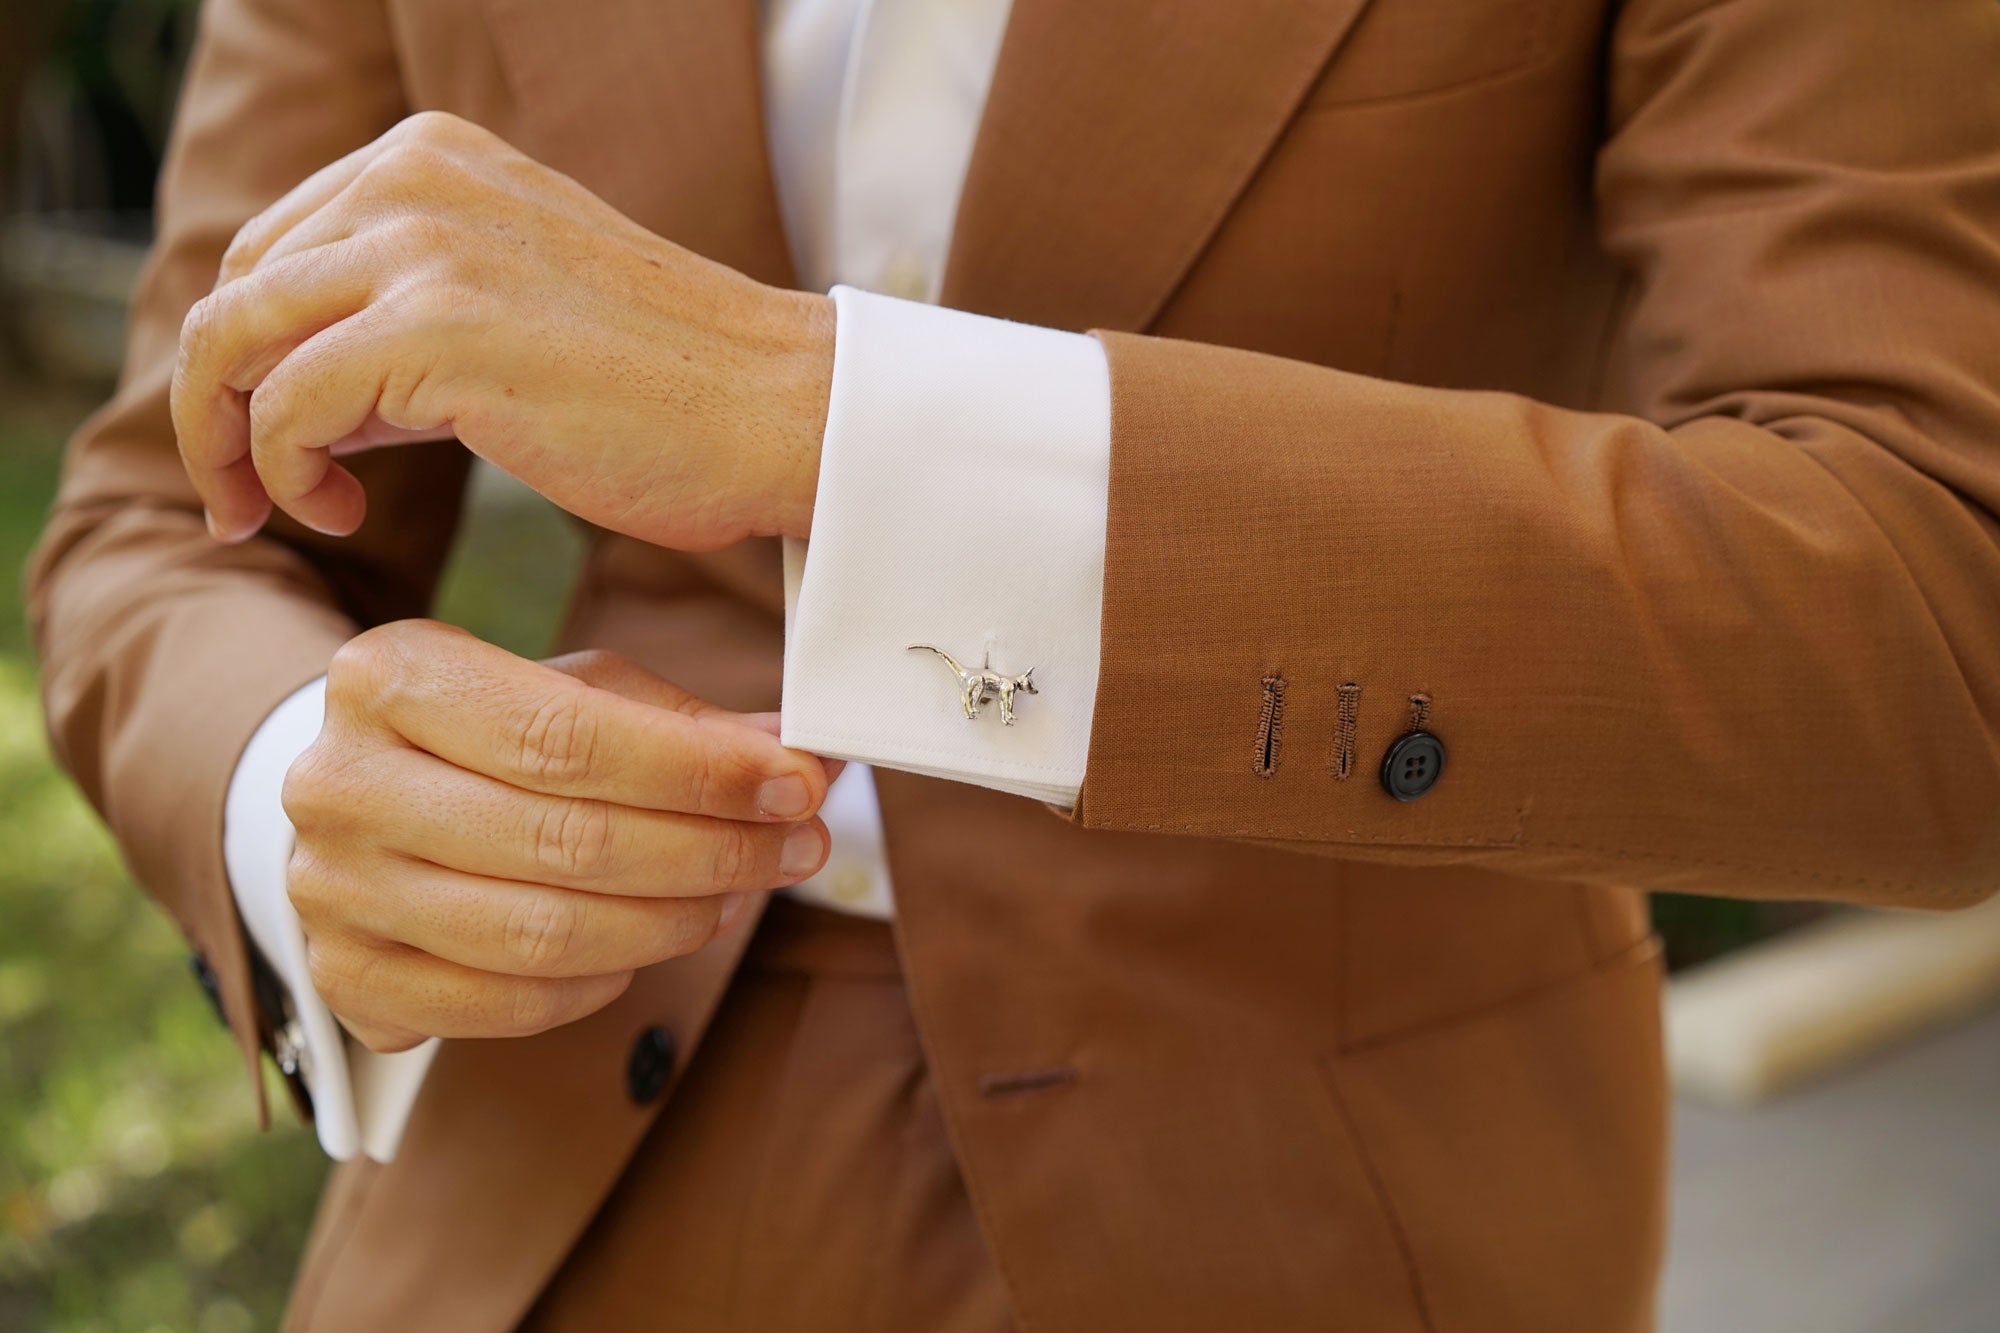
(487, 846)
(437, 283)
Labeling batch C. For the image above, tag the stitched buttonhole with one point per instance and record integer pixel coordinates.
(1420, 711)
(1270, 721)
(1343, 739)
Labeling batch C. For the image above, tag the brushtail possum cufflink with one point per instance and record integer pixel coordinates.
(977, 685)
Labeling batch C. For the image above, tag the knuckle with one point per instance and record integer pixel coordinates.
(431, 126)
(247, 241)
(198, 326)
(395, 170)
(327, 790)
(341, 973)
(306, 787)
(542, 934)
(559, 741)
(270, 411)
(573, 837)
(439, 305)
(702, 781)
(377, 667)
(306, 885)
(414, 635)
(408, 153)
(360, 667)
(355, 662)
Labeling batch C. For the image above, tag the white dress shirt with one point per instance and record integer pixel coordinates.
(961, 503)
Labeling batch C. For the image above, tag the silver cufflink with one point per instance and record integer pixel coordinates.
(976, 686)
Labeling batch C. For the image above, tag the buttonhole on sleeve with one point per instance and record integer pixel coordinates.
(1270, 721)
(1343, 740)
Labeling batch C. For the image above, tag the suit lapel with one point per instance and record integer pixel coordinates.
(658, 108)
(1117, 135)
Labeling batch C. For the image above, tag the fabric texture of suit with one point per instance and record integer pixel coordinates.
(1618, 385)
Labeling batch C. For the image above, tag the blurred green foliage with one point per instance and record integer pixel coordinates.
(135, 1190)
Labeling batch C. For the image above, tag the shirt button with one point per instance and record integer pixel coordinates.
(907, 277)
(650, 1065)
(851, 885)
(1413, 765)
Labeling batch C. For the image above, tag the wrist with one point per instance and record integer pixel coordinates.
(801, 383)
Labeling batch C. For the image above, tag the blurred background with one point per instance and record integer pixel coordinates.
(1838, 1135)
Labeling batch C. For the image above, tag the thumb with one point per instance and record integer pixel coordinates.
(770, 722)
(621, 675)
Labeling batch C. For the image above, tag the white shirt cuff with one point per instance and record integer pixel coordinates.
(964, 479)
(360, 1099)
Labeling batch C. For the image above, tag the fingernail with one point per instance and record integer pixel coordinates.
(733, 908)
(784, 798)
(803, 848)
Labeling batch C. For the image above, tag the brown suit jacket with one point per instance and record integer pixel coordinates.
(1623, 378)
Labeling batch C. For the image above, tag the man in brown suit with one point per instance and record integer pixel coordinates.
(1554, 455)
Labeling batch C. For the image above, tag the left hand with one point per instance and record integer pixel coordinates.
(437, 283)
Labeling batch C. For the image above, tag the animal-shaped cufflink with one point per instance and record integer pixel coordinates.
(975, 687)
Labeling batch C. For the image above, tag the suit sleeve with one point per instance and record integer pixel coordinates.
(161, 650)
(1743, 638)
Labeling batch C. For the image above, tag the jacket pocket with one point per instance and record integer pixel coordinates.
(1520, 1153)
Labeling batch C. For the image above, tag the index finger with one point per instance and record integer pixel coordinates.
(481, 708)
(229, 342)
(255, 238)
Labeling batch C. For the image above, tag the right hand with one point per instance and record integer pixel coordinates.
(488, 846)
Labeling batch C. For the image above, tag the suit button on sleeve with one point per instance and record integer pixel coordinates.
(1413, 765)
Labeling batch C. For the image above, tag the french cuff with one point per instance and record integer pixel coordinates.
(964, 479)
(360, 1099)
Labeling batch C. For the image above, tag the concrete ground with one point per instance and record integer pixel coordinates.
(1868, 1202)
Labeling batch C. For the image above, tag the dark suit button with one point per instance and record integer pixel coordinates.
(1413, 765)
(210, 986)
(652, 1063)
